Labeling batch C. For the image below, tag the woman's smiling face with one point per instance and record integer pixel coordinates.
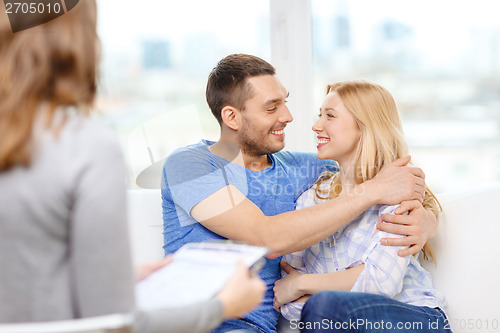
(338, 131)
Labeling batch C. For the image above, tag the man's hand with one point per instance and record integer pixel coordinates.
(418, 226)
(397, 182)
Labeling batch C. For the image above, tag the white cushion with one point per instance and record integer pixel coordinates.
(468, 258)
(145, 225)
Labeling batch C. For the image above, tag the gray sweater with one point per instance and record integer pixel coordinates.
(64, 246)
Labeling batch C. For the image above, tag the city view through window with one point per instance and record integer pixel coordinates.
(440, 60)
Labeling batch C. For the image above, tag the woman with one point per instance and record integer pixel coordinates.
(64, 246)
(355, 279)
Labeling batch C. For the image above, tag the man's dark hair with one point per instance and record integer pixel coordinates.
(227, 83)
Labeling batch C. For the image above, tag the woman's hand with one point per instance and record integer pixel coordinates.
(243, 292)
(143, 271)
(286, 289)
(418, 226)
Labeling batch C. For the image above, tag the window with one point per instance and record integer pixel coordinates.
(156, 58)
(441, 62)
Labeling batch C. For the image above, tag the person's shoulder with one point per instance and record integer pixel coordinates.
(308, 197)
(189, 153)
(293, 158)
(295, 155)
(325, 183)
(318, 193)
(85, 133)
(82, 142)
(194, 160)
(192, 149)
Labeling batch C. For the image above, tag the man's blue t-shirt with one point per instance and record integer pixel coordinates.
(193, 173)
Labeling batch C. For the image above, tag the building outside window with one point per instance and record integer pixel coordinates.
(441, 61)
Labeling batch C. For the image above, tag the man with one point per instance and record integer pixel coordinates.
(243, 187)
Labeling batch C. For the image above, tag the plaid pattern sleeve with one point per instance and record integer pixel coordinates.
(296, 260)
(385, 273)
(292, 310)
(384, 269)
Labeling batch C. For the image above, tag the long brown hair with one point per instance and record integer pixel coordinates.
(381, 142)
(53, 64)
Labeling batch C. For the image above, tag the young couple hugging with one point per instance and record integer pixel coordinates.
(342, 236)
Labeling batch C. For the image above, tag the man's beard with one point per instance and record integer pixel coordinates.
(252, 146)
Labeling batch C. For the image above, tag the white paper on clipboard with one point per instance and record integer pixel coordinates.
(197, 272)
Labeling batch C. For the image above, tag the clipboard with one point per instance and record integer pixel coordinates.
(197, 273)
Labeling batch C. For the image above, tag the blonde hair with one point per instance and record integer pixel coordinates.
(381, 141)
(54, 64)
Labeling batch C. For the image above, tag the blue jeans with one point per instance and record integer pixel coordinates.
(341, 311)
(237, 326)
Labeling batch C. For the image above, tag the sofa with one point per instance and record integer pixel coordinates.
(468, 256)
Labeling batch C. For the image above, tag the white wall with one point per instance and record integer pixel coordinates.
(291, 53)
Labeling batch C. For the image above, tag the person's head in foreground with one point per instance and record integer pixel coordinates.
(50, 65)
